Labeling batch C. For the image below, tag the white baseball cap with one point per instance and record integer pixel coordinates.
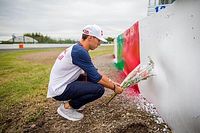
(94, 30)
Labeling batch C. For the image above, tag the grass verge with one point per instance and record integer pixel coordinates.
(24, 81)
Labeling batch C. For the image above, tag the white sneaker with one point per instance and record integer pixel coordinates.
(70, 114)
(81, 108)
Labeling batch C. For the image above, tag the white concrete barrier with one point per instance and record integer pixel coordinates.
(172, 39)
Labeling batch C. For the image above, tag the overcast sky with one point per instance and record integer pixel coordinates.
(66, 18)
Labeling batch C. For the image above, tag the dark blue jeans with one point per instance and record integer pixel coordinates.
(80, 93)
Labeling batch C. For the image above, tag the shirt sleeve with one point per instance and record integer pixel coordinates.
(81, 58)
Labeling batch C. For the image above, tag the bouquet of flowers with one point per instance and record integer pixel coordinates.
(135, 76)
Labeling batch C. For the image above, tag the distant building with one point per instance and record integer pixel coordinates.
(157, 5)
(24, 39)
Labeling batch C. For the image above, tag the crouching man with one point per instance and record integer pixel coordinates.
(65, 82)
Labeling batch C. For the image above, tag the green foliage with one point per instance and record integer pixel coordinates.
(110, 39)
(46, 39)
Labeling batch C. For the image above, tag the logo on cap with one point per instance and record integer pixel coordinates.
(101, 33)
(85, 31)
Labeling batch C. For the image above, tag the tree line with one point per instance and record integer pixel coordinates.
(40, 38)
(46, 39)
